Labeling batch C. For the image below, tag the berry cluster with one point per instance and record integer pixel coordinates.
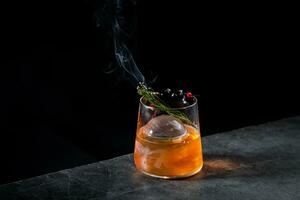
(176, 98)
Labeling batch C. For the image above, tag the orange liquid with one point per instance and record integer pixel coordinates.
(173, 158)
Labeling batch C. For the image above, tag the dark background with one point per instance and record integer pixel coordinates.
(59, 109)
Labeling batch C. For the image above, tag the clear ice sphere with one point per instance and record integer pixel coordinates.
(164, 127)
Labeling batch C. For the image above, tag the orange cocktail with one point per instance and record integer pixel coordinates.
(169, 158)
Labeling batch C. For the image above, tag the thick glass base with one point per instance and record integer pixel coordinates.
(173, 177)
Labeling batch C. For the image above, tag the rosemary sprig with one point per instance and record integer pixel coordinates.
(152, 97)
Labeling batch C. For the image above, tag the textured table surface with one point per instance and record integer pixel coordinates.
(256, 162)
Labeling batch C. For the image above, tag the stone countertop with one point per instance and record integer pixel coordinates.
(256, 162)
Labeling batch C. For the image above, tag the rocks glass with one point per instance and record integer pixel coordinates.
(165, 146)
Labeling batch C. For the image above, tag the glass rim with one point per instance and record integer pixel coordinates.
(179, 108)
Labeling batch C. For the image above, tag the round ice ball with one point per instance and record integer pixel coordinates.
(164, 127)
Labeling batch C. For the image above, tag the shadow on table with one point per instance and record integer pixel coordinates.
(217, 166)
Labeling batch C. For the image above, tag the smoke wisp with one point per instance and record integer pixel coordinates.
(118, 17)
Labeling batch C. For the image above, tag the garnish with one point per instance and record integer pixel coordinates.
(153, 98)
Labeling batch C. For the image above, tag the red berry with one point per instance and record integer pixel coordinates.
(189, 95)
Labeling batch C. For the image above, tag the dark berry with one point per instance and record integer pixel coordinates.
(167, 91)
(166, 94)
(177, 95)
(180, 94)
(174, 95)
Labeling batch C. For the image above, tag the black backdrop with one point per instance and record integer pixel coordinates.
(60, 110)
